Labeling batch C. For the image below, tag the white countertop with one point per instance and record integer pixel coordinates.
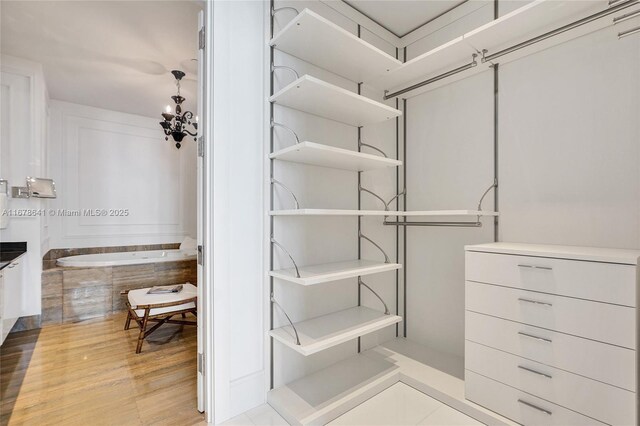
(593, 254)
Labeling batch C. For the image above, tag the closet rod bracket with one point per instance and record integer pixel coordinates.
(281, 247)
(282, 67)
(280, 9)
(386, 308)
(386, 258)
(274, 124)
(274, 181)
(273, 300)
(386, 203)
(361, 144)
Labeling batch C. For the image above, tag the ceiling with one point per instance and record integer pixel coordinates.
(108, 54)
(403, 16)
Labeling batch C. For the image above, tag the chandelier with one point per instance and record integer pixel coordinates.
(176, 125)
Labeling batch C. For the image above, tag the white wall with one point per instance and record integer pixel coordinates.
(236, 153)
(110, 160)
(449, 166)
(570, 144)
(23, 123)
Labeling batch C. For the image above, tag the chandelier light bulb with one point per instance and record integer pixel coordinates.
(167, 109)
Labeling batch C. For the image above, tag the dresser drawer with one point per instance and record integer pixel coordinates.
(603, 402)
(599, 321)
(605, 282)
(609, 364)
(520, 406)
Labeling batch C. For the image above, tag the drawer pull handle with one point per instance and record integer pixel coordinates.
(542, 339)
(535, 302)
(539, 373)
(535, 407)
(546, 268)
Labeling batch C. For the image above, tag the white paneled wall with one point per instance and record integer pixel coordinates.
(110, 160)
(569, 151)
(24, 103)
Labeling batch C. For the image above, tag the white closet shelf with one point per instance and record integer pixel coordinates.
(529, 21)
(327, 272)
(320, 42)
(337, 212)
(337, 158)
(452, 54)
(312, 95)
(318, 334)
(524, 23)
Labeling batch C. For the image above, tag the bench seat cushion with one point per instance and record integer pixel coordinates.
(140, 297)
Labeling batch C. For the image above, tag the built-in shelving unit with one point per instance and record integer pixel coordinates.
(337, 158)
(318, 334)
(320, 397)
(327, 272)
(320, 42)
(312, 95)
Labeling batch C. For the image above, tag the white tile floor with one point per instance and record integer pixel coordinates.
(403, 405)
(398, 405)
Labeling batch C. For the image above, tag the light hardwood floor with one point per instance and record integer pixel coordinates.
(88, 373)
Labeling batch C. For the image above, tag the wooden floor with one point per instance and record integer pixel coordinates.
(88, 373)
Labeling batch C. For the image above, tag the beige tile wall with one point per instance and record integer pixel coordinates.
(76, 294)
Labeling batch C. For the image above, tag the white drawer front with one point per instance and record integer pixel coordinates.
(606, 403)
(600, 361)
(520, 406)
(605, 282)
(599, 321)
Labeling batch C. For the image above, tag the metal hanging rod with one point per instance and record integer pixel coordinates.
(476, 224)
(274, 124)
(273, 300)
(274, 181)
(386, 203)
(281, 247)
(628, 33)
(625, 17)
(386, 308)
(386, 258)
(470, 65)
(282, 67)
(464, 224)
(361, 144)
(614, 6)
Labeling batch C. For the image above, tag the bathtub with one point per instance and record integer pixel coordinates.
(126, 258)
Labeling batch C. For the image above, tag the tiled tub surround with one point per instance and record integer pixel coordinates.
(75, 294)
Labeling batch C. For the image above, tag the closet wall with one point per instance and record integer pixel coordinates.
(568, 161)
(313, 240)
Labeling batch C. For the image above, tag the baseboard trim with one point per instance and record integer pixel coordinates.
(31, 322)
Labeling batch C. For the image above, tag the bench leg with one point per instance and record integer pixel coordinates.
(143, 328)
(127, 323)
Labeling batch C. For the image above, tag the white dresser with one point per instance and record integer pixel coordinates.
(551, 333)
